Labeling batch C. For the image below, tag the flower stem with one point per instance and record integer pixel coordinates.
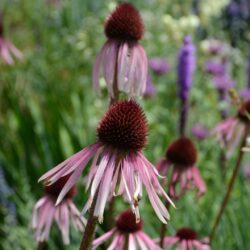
(183, 116)
(41, 245)
(230, 185)
(163, 227)
(86, 243)
(115, 98)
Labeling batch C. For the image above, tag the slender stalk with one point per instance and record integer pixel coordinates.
(163, 227)
(86, 243)
(41, 245)
(115, 98)
(230, 185)
(183, 116)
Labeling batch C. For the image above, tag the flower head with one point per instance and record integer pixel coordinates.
(186, 67)
(230, 131)
(46, 211)
(124, 24)
(182, 155)
(7, 49)
(122, 59)
(127, 228)
(122, 133)
(159, 66)
(186, 238)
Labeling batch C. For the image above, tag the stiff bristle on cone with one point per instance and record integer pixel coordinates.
(182, 152)
(126, 222)
(124, 23)
(186, 233)
(244, 112)
(124, 127)
(55, 189)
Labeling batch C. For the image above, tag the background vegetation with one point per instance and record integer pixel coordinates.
(48, 110)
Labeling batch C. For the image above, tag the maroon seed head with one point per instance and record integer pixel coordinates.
(124, 127)
(124, 23)
(126, 222)
(186, 233)
(244, 112)
(55, 189)
(182, 152)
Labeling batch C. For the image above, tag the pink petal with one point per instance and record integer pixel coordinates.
(102, 238)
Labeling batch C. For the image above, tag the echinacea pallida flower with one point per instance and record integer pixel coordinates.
(127, 231)
(46, 211)
(122, 59)
(122, 134)
(182, 155)
(7, 49)
(185, 239)
(230, 131)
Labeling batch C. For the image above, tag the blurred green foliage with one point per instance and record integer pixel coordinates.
(48, 111)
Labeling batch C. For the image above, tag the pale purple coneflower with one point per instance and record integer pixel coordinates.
(46, 211)
(159, 66)
(118, 158)
(180, 164)
(186, 239)
(122, 59)
(230, 131)
(199, 131)
(7, 49)
(127, 232)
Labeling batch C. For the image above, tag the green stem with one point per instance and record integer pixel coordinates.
(41, 245)
(230, 185)
(86, 243)
(115, 98)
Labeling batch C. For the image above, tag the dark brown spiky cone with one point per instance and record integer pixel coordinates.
(182, 153)
(55, 189)
(186, 233)
(244, 112)
(126, 222)
(124, 127)
(124, 23)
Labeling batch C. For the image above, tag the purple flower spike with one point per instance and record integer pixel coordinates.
(186, 67)
(159, 66)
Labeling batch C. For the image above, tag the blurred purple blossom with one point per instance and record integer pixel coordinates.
(186, 66)
(214, 67)
(223, 82)
(245, 93)
(246, 171)
(200, 131)
(150, 90)
(159, 66)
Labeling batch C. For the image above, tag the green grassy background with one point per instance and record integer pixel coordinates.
(48, 111)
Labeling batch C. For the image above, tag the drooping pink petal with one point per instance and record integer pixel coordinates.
(97, 66)
(97, 242)
(104, 190)
(109, 65)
